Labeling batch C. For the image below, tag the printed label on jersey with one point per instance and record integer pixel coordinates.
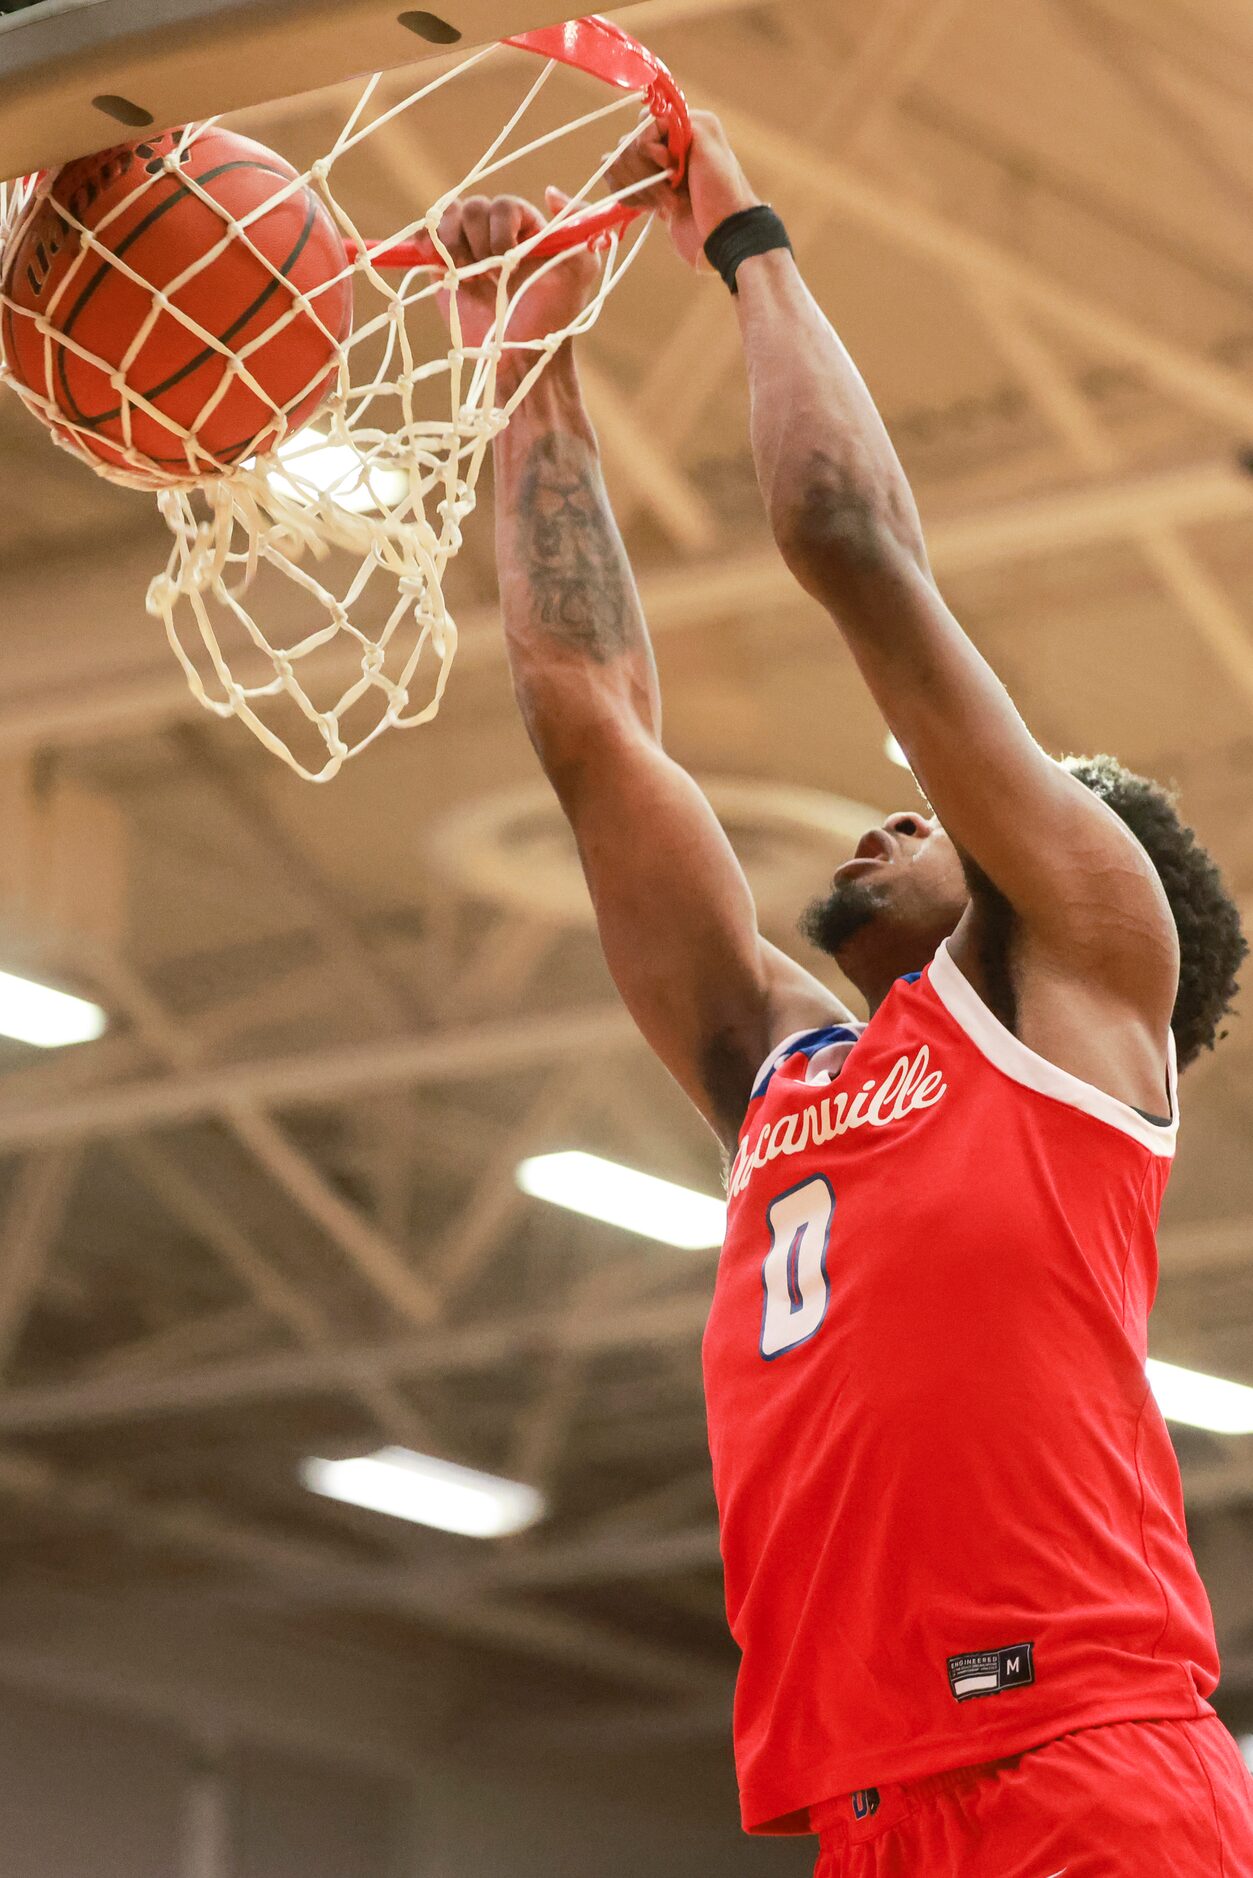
(987, 1672)
(911, 1084)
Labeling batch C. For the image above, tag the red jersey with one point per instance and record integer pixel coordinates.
(952, 1522)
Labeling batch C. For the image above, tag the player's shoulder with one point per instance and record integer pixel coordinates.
(796, 1000)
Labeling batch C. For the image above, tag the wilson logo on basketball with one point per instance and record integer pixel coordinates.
(40, 265)
(909, 1085)
(114, 165)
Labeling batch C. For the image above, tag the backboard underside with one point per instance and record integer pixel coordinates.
(77, 75)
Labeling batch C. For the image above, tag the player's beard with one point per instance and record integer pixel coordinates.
(830, 921)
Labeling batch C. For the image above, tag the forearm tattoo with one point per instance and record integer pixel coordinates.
(570, 552)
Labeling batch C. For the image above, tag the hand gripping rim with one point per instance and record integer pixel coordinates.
(603, 50)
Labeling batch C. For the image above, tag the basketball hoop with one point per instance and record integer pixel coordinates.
(337, 516)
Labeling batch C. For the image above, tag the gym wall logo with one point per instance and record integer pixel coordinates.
(909, 1085)
(987, 1672)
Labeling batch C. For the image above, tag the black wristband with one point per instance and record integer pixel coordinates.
(740, 237)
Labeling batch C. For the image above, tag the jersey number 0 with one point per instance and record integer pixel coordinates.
(794, 1275)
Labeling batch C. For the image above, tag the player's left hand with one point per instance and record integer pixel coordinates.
(714, 187)
(478, 228)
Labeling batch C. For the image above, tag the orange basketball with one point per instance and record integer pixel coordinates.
(180, 408)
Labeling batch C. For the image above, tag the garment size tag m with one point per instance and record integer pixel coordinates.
(987, 1672)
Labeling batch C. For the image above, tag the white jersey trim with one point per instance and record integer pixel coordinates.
(831, 1046)
(1009, 1054)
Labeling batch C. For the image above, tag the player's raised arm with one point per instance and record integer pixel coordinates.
(676, 917)
(847, 525)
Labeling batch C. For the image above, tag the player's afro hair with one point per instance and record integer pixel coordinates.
(1211, 945)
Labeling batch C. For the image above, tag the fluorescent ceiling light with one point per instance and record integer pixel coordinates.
(317, 467)
(1185, 1395)
(894, 753)
(37, 1014)
(657, 1209)
(427, 1491)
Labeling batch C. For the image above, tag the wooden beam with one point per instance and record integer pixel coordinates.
(1214, 1246)
(495, 1197)
(321, 1078)
(1090, 513)
(209, 1222)
(1209, 1246)
(313, 1572)
(293, 1374)
(28, 1237)
(1186, 375)
(378, 994)
(192, 1660)
(386, 1268)
(37, 711)
(197, 1339)
(1213, 615)
(1214, 59)
(542, 1430)
(205, 1825)
(648, 16)
(651, 471)
(896, 42)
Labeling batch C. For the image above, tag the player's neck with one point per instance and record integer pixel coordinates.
(873, 961)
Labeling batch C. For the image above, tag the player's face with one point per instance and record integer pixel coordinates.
(902, 892)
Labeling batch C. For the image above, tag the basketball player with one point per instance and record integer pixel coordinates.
(974, 1639)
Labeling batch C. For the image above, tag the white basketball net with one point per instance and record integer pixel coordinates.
(362, 511)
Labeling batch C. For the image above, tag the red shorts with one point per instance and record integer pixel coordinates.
(1127, 1800)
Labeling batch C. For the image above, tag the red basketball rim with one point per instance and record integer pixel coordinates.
(606, 51)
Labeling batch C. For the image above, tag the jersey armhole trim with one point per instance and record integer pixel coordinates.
(1009, 1054)
(824, 1033)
